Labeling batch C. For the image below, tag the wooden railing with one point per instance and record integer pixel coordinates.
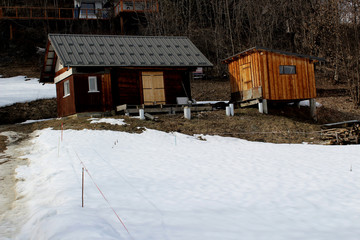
(76, 13)
(136, 6)
(53, 13)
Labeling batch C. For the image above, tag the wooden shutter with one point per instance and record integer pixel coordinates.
(153, 88)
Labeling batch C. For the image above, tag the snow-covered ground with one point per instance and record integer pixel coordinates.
(158, 185)
(23, 89)
(174, 186)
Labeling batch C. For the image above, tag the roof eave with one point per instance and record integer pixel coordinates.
(142, 66)
(254, 49)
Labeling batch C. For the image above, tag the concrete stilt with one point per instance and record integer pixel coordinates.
(187, 113)
(228, 111)
(260, 106)
(313, 109)
(265, 106)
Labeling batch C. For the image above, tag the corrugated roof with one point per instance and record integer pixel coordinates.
(126, 51)
(274, 51)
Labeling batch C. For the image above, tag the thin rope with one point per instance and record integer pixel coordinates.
(87, 171)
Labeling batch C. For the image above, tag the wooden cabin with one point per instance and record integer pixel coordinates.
(83, 10)
(96, 73)
(262, 74)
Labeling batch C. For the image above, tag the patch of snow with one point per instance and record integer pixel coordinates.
(174, 186)
(111, 121)
(306, 103)
(210, 102)
(40, 50)
(23, 89)
(39, 120)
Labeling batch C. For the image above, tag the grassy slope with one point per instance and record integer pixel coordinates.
(284, 124)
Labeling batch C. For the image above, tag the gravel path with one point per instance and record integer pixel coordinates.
(10, 211)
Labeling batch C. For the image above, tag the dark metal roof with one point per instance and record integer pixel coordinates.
(253, 49)
(126, 51)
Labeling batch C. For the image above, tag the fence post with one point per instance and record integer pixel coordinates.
(82, 189)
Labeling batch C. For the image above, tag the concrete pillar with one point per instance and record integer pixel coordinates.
(313, 108)
(187, 113)
(260, 106)
(231, 105)
(265, 106)
(141, 114)
(228, 111)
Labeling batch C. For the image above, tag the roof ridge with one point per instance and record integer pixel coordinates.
(120, 36)
(259, 48)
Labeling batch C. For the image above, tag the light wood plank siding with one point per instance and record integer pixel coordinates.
(265, 73)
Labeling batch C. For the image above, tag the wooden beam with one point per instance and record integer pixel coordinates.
(149, 116)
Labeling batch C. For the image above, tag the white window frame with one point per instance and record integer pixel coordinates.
(93, 78)
(66, 88)
(287, 69)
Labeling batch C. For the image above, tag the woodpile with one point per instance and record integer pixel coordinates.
(342, 135)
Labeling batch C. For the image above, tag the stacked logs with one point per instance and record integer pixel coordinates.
(342, 136)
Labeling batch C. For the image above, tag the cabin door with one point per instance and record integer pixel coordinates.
(153, 88)
(246, 81)
(245, 76)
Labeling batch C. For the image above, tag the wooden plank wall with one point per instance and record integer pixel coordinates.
(234, 71)
(106, 93)
(265, 73)
(174, 87)
(65, 105)
(85, 101)
(278, 86)
(127, 87)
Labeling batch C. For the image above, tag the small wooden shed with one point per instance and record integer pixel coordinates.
(263, 74)
(96, 73)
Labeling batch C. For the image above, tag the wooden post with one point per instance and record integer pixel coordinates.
(313, 109)
(82, 189)
(122, 24)
(11, 32)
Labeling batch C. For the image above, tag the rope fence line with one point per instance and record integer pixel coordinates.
(281, 132)
(137, 191)
(102, 194)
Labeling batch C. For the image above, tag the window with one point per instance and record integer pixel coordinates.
(66, 88)
(287, 69)
(93, 84)
(87, 8)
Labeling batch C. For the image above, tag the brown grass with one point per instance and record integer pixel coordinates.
(284, 124)
(246, 124)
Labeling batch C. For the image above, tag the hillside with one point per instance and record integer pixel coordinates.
(284, 124)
